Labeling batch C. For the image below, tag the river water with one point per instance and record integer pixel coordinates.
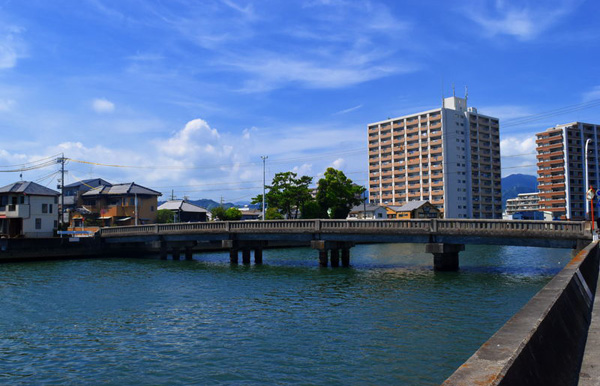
(387, 320)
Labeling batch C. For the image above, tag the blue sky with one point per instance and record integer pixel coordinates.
(192, 93)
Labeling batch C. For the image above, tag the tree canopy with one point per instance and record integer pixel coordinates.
(287, 192)
(337, 194)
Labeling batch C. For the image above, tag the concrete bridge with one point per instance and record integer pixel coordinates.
(444, 238)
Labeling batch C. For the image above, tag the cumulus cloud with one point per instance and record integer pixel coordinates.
(338, 163)
(197, 137)
(102, 105)
(519, 154)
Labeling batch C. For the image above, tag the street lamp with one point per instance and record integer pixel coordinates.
(587, 176)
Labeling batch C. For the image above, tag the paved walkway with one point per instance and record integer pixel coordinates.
(590, 368)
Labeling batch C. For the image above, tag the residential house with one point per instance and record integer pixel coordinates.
(414, 210)
(28, 209)
(367, 212)
(72, 195)
(250, 214)
(184, 211)
(118, 204)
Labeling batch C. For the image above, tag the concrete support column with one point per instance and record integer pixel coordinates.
(246, 256)
(345, 257)
(258, 252)
(323, 257)
(233, 256)
(335, 257)
(445, 256)
(188, 253)
(175, 253)
(163, 251)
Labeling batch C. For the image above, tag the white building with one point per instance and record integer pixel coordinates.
(448, 156)
(28, 209)
(523, 202)
(367, 212)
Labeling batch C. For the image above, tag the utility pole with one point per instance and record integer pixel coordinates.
(264, 158)
(61, 212)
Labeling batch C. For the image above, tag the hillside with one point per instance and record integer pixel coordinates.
(517, 183)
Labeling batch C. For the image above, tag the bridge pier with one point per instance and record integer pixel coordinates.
(175, 254)
(324, 247)
(188, 253)
(246, 255)
(258, 253)
(233, 256)
(445, 256)
(246, 247)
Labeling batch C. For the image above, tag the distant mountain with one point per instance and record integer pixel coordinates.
(517, 183)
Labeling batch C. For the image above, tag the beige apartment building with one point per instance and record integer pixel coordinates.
(448, 156)
(561, 168)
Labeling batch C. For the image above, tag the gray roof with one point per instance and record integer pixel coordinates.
(30, 188)
(129, 188)
(90, 183)
(409, 206)
(183, 206)
(367, 207)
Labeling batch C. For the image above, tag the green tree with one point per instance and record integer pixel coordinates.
(233, 214)
(337, 194)
(218, 213)
(312, 209)
(273, 214)
(288, 192)
(164, 216)
(257, 200)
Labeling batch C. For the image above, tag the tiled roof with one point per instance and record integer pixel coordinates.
(183, 206)
(130, 188)
(28, 187)
(410, 206)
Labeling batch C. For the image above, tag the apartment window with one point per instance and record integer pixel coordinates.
(38, 223)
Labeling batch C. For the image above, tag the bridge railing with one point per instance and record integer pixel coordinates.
(431, 226)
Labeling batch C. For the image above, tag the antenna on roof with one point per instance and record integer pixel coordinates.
(453, 90)
(466, 92)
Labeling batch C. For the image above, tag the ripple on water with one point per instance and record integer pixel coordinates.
(388, 320)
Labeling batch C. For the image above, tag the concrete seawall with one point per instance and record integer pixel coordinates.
(543, 344)
(13, 250)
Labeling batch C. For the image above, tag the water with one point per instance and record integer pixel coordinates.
(387, 320)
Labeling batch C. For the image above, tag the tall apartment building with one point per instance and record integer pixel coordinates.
(448, 156)
(561, 168)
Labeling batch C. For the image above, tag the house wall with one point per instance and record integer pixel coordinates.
(47, 221)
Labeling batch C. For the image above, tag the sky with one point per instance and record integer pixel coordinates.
(184, 97)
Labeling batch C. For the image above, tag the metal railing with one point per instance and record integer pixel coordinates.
(421, 226)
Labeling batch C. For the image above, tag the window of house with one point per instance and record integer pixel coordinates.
(44, 209)
(151, 208)
(38, 223)
(49, 208)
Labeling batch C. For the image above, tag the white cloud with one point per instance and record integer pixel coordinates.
(506, 112)
(11, 47)
(338, 163)
(593, 94)
(101, 105)
(518, 155)
(524, 20)
(345, 111)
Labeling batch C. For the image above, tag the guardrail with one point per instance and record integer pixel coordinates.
(562, 229)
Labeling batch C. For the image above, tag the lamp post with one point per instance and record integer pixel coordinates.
(264, 158)
(587, 176)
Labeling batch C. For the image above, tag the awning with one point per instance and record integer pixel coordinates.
(124, 219)
(105, 218)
